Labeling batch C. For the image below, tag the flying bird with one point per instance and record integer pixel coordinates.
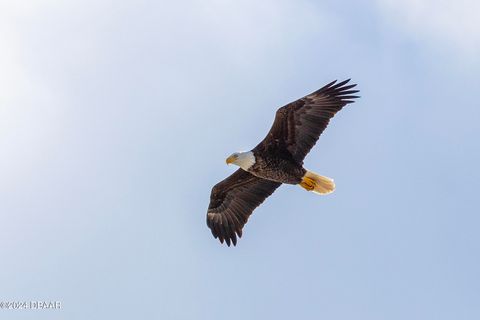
(275, 160)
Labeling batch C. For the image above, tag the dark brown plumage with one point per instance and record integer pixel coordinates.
(278, 159)
(233, 200)
(298, 125)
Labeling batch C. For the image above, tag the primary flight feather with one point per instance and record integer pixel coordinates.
(277, 159)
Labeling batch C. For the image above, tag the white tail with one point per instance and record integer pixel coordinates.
(317, 184)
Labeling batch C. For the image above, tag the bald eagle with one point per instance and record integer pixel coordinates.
(277, 159)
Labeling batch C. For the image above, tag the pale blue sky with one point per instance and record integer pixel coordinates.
(116, 119)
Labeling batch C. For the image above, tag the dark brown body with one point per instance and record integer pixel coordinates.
(278, 169)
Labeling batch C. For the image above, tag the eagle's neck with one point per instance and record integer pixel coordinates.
(245, 160)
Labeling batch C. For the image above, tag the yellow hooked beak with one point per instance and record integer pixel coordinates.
(230, 159)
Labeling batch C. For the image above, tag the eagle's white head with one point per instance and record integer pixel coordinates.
(242, 159)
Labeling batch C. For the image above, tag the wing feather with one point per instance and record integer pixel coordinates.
(299, 124)
(233, 200)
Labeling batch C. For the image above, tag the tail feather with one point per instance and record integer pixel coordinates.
(317, 184)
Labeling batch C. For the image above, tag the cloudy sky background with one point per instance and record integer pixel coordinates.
(116, 118)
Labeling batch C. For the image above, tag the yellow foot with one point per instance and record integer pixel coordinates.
(307, 183)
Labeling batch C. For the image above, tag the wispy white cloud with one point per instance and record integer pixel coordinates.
(450, 25)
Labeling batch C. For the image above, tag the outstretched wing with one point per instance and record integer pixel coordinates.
(233, 200)
(298, 125)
